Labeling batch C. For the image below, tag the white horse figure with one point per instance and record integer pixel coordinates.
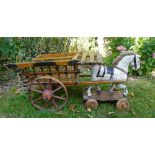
(119, 71)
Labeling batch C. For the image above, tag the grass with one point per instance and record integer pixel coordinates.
(142, 104)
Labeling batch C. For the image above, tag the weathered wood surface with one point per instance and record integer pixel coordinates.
(76, 56)
(91, 82)
(104, 96)
(61, 60)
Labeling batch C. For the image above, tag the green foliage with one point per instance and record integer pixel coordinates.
(83, 44)
(146, 51)
(24, 48)
(113, 42)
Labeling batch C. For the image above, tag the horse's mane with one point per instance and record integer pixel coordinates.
(121, 56)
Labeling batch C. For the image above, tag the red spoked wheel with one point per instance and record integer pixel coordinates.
(48, 93)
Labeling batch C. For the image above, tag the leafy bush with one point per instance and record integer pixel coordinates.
(22, 48)
(113, 42)
(146, 51)
(83, 44)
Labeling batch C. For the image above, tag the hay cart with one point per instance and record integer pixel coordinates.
(49, 74)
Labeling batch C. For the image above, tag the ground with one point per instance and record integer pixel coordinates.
(141, 98)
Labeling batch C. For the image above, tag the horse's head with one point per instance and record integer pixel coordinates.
(127, 58)
(135, 62)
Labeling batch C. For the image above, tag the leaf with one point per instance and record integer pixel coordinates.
(72, 108)
(133, 112)
(131, 94)
(89, 109)
(60, 113)
(110, 113)
(90, 116)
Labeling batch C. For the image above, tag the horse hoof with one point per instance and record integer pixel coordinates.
(91, 104)
(111, 92)
(98, 91)
(125, 94)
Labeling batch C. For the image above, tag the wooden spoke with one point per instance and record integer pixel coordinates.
(54, 104)
(50, 84)
(42, 103)
(58, 97)
(38, 91)
(40, 98)
(43, 87)
(55, 90)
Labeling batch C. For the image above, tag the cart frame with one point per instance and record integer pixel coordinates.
(62, 69)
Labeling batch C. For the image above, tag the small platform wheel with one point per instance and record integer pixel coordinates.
(91, 104)
(47, 93)
(122, 104)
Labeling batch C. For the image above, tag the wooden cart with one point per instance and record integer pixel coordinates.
(49, 74)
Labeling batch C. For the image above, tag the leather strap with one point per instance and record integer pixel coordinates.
(103, 72)
(121, 70)
(98, 73)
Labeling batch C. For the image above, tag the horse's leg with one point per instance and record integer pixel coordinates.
(124, 87)
(112, 88)
(89, 91)
(98, 89)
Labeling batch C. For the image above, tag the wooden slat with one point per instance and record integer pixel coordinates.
(83, 59)
(42, 63)
(58, 71)
(52, 58)
(56, 55)
(76, 56)
(66, 72)
(91, 82)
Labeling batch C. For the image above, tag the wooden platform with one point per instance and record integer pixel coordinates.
(104, 96)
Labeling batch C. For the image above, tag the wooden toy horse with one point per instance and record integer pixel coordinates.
(119, 71)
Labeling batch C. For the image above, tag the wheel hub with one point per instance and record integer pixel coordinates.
(47, 94)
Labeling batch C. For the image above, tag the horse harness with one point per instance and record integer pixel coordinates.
(110, 70)
(135, 65)
(135, 62)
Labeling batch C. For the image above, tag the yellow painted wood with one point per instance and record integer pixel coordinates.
(24, 65)
(76, 56)
(52, 58)
(62, 63)
(56, 55)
